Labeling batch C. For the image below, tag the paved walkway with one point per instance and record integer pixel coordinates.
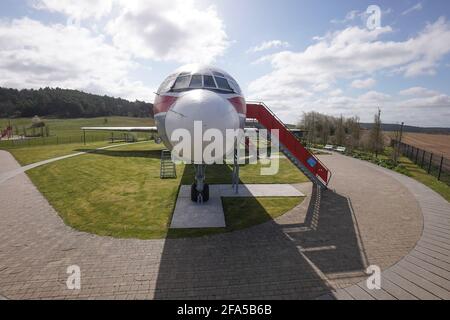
(321, 246)
(424, 273)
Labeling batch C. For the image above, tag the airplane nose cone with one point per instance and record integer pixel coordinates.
(206, 110)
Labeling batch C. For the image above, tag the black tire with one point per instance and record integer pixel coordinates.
(194, 192)
(205, 192)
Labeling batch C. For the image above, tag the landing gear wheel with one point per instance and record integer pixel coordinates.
(205, 192)
(199, 196)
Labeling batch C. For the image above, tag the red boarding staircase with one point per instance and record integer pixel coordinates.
(304, 160)
(6, 133)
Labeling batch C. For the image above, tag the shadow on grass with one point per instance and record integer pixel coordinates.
(271, 260)
(153, 154)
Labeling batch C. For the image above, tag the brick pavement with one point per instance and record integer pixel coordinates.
(322, 245)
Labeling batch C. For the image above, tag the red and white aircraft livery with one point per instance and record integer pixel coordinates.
(191, 95)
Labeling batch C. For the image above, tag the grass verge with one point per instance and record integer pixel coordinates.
(118, 192)
(406, 167)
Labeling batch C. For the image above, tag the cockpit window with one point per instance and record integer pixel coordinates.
(219, 74)
(209, 82)
(222, 83)
(196, 81)
(234, 85)
(182, 82)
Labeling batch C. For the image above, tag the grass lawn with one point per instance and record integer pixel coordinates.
(67, 131)
(118, 192)
(71, 127)
(33, 154)
(419, 174)
(409, 168)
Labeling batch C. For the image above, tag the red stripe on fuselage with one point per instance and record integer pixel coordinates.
(163, 103)
(239, 104)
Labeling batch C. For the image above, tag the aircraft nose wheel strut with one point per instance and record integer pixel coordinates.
(200, 189)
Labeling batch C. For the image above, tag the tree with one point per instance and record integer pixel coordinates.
(355, 132)
(64, 103)
(340, 131)
(376, 139)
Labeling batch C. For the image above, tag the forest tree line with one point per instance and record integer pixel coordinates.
(64, 103)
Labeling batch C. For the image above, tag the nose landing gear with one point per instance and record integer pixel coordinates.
(199, 196)
(199, 189)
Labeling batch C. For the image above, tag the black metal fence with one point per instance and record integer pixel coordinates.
(435, 164)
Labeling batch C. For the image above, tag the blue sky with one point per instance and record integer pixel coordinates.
(297, 56)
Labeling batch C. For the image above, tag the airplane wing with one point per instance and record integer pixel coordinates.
(123, 129)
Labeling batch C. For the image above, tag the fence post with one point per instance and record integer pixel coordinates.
(417, 156)
(423, 158)
(429, 165)
(440, 168)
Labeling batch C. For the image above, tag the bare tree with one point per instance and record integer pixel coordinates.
(355, 132)
(340, 131)
(376, 139)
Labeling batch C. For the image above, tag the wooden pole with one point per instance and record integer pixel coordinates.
(440, 168)
(429, 164)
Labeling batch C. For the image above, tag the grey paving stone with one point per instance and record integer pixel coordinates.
(324, 244)
(424, 272)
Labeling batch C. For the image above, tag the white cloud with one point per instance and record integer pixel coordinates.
(417, 7)
(363, 84)
(266, 45)
(352, 53)
(169, 31)
(418, 91)
(350, 16)
(80, 9)
(362, 16)
(178, 30)
(34, 55)
(100, 54)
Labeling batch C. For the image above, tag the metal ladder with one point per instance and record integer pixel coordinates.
(167, 169)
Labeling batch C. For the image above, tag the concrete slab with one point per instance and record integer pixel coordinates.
(188, 214)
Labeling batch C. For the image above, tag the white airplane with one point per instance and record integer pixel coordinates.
(195, 93)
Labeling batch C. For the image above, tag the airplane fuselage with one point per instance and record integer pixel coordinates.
(198, 94)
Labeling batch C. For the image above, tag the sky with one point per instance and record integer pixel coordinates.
(297, 56)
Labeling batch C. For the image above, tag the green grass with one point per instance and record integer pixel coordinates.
(33, 154)
(67, 131)
(118, 192)
(221, 174)
(71, 127)
(414, 171)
